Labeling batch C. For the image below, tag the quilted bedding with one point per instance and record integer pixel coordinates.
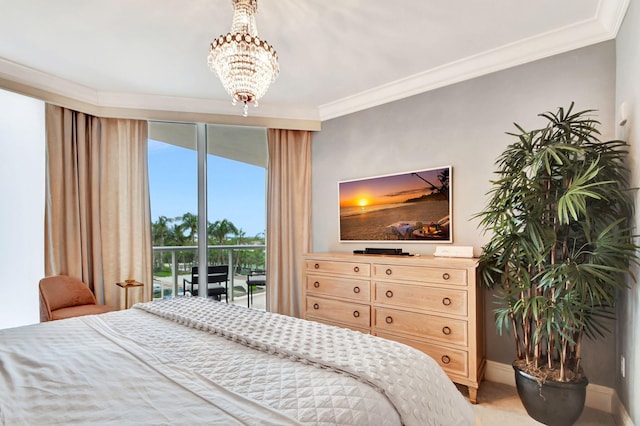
(193, 361)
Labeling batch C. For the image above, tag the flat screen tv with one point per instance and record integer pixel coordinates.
(412, 206)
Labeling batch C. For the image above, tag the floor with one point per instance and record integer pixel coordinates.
(259, 299)
(499, 405)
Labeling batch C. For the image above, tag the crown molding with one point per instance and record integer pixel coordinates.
(611, 13)
(205, 106)
(604, 26)
(49, 88)
(43, 82)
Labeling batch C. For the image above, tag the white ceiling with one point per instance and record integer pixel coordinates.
(336, 56)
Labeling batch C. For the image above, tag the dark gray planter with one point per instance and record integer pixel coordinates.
(551, 403)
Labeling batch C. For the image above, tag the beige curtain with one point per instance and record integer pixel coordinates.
(98, 220)
(288, 218)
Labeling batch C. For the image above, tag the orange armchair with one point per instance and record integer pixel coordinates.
(62, 297)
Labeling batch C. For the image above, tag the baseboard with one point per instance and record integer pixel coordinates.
(620, 414)
(598, 397)
(499, 373)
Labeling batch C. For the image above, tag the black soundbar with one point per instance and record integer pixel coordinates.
(385, 251)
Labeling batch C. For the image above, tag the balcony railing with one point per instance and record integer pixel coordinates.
(162, 289)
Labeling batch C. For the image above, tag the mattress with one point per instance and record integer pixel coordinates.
(189, 361)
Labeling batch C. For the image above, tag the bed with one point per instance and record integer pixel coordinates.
(189, 361)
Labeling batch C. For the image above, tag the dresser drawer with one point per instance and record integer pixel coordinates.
(335, 310)
(447, 330)
(339, 287)
(421, 273)
(437, 299)
(364, 330)
(453, 361)
(343, 268)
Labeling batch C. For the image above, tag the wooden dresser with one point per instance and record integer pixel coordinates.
(430, 303)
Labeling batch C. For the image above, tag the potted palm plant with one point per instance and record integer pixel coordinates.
(560, 247)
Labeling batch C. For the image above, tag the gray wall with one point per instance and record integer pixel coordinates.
(464, 126)
(628, 92)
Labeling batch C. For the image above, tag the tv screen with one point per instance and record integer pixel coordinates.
(411, 206)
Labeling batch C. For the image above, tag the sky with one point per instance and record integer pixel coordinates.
(236, 190)
(387, 189)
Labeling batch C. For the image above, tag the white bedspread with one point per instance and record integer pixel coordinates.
(230, 365)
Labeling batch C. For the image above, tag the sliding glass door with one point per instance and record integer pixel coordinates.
(236, 175)
(173, 187)
(211, 203)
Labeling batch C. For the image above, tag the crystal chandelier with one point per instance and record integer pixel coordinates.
(245, 64)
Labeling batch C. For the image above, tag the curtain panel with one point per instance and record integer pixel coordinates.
(288, 218)
(97, 218)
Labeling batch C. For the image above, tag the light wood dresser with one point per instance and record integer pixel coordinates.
(430, 303)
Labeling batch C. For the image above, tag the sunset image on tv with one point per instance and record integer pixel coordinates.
(410, 206)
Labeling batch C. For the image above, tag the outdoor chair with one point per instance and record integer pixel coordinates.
(216, 275)
(255, 278)
(62, 296)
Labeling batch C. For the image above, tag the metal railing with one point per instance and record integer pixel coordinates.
(175, 288)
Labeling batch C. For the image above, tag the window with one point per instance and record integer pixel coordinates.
(173, 187)
(235, 166)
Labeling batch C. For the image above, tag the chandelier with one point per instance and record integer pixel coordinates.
(245, 64)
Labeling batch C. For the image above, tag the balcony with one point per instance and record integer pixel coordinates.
(180, 259)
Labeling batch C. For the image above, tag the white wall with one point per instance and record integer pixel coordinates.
(464, 126)
(628, 92)
(22, 192)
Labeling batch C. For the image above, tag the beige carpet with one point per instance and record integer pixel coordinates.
(499, 405)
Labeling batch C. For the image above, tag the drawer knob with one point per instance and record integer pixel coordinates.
(317, 266)
(446, 276)
(389, 320)
(356, 314)
(356, 269)
(316, 306)
(389, 294)
(388, 271)
(356, 289)
(445, 359)
(446, 330)
(317, 285)
(446, 301)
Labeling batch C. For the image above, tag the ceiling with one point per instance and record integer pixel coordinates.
(336, 56)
